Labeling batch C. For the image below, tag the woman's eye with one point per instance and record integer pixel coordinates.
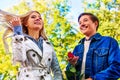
(32, 16)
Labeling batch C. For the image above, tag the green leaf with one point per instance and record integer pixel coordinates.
(119, 79)
(69, 73)
(72, 69)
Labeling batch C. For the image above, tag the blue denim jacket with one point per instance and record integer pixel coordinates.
(102, 60)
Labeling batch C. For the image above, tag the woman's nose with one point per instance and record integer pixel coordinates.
(38, 19)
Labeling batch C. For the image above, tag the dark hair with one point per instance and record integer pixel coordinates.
(92, 17)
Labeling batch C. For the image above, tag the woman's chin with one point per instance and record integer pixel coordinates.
(36, 28)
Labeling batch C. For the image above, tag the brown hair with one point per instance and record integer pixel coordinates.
(24, 19)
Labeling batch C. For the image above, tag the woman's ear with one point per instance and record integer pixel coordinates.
(26, 25)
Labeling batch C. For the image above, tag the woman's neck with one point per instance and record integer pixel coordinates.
(34, 34)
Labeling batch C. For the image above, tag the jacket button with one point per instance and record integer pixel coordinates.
(42, 77)
(27, 75)
(48, 72)
(33, 55)
(49, 59)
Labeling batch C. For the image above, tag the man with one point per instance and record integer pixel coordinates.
(98, 55)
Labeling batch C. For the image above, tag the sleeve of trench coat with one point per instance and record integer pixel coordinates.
(57, 73)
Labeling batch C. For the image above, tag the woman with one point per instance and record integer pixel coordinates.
(38, 66)
(97, 55)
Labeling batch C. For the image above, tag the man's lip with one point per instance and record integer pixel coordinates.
(83, 27)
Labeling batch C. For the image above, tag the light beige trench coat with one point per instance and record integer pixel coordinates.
(37, 65)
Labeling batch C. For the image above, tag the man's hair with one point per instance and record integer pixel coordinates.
(92, 17)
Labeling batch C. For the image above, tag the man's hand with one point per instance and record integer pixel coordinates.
(72, 59)
(88, 79)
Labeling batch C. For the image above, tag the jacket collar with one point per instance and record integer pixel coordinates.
(40, 39)
(97, 36)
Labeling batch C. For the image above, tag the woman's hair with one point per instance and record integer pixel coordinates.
(24, 18)
(92, 17)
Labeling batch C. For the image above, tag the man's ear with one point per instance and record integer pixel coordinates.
(96, 23)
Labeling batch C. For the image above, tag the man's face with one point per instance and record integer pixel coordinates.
(87, 26)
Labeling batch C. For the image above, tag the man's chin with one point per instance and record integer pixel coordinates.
(83, 32)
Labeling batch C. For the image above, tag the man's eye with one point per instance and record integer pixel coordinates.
(85, 20)
(79, 23)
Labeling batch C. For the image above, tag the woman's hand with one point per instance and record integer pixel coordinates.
(15, 22)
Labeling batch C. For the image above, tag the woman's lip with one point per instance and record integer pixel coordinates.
(37, 22)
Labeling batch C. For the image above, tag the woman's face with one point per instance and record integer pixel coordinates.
(87, 26)
(34, 22)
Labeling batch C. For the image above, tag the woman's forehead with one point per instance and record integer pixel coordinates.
(35, 13)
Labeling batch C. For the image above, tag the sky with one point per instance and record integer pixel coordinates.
(76, 8)
(8, 3)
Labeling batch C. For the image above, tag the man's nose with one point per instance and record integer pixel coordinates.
(82, 24)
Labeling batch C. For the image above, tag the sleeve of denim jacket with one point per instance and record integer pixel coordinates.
(17, 30)
(57, 73)
(113, 71)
